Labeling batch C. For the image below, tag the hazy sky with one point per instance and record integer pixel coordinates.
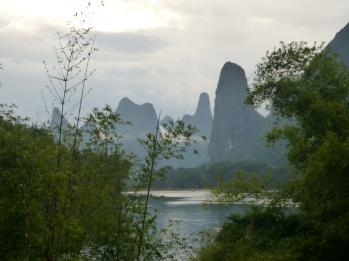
(162, 51)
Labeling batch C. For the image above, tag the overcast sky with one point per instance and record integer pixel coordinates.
(161, 51)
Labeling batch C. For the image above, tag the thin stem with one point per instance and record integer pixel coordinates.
(150, 180)
(76, 134)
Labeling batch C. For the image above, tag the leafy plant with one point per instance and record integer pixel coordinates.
(169, 141)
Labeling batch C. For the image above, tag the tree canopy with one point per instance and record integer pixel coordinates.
(308, 88)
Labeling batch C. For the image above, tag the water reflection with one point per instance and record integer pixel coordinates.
(186, 207)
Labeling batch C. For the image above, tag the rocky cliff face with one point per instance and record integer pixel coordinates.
(340, 44)
(236, 127)
(55, 124)
(202, 119)
(142, 117)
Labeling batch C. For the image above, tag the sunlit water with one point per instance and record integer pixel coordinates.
(186, 208)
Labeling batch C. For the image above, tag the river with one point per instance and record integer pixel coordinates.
(186, 207)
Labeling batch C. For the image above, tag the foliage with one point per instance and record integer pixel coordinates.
(102, 131)
(170, 140)
(62, 189)
(240, 187)
(261, 234)
(96, 220)
(211, 175)
(29, 184)
(310, 88)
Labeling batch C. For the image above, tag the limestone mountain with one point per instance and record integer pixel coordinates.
(236, 127)
(340, 44)
(142, 117)
(202, 119)
(55, 124)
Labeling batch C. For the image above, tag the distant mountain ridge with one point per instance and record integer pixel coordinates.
(235, 131)
(142, 117)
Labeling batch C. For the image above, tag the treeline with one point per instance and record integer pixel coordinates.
(46, 213)
(307, 218)
(63, 187)
(210, 175)
(60, 203)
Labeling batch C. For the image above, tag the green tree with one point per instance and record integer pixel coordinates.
(308, 86)
(169, 142)
(25, 162)
(308, 89)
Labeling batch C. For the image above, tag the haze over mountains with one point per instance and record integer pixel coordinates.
(144, 118)
(235, 131)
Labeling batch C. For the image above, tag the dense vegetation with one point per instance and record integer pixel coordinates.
(63, 188)
(210, 175)
(79, 210)
(310, 88)
(37, 217)
(63, 197)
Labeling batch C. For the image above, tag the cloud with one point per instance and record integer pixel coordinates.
(172, 63)
(130, 43)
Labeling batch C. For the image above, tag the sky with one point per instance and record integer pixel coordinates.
(161, 51)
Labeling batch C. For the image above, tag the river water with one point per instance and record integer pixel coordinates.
(187, 209)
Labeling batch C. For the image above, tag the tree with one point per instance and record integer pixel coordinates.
(25, 160)
(169, 142)
(308, 89)
(71, 72)
(308, 86)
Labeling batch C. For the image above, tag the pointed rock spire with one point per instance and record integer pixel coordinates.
(236, 127)
(202, 119)
(56, 122)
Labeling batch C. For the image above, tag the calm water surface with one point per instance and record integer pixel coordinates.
(186, 208)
